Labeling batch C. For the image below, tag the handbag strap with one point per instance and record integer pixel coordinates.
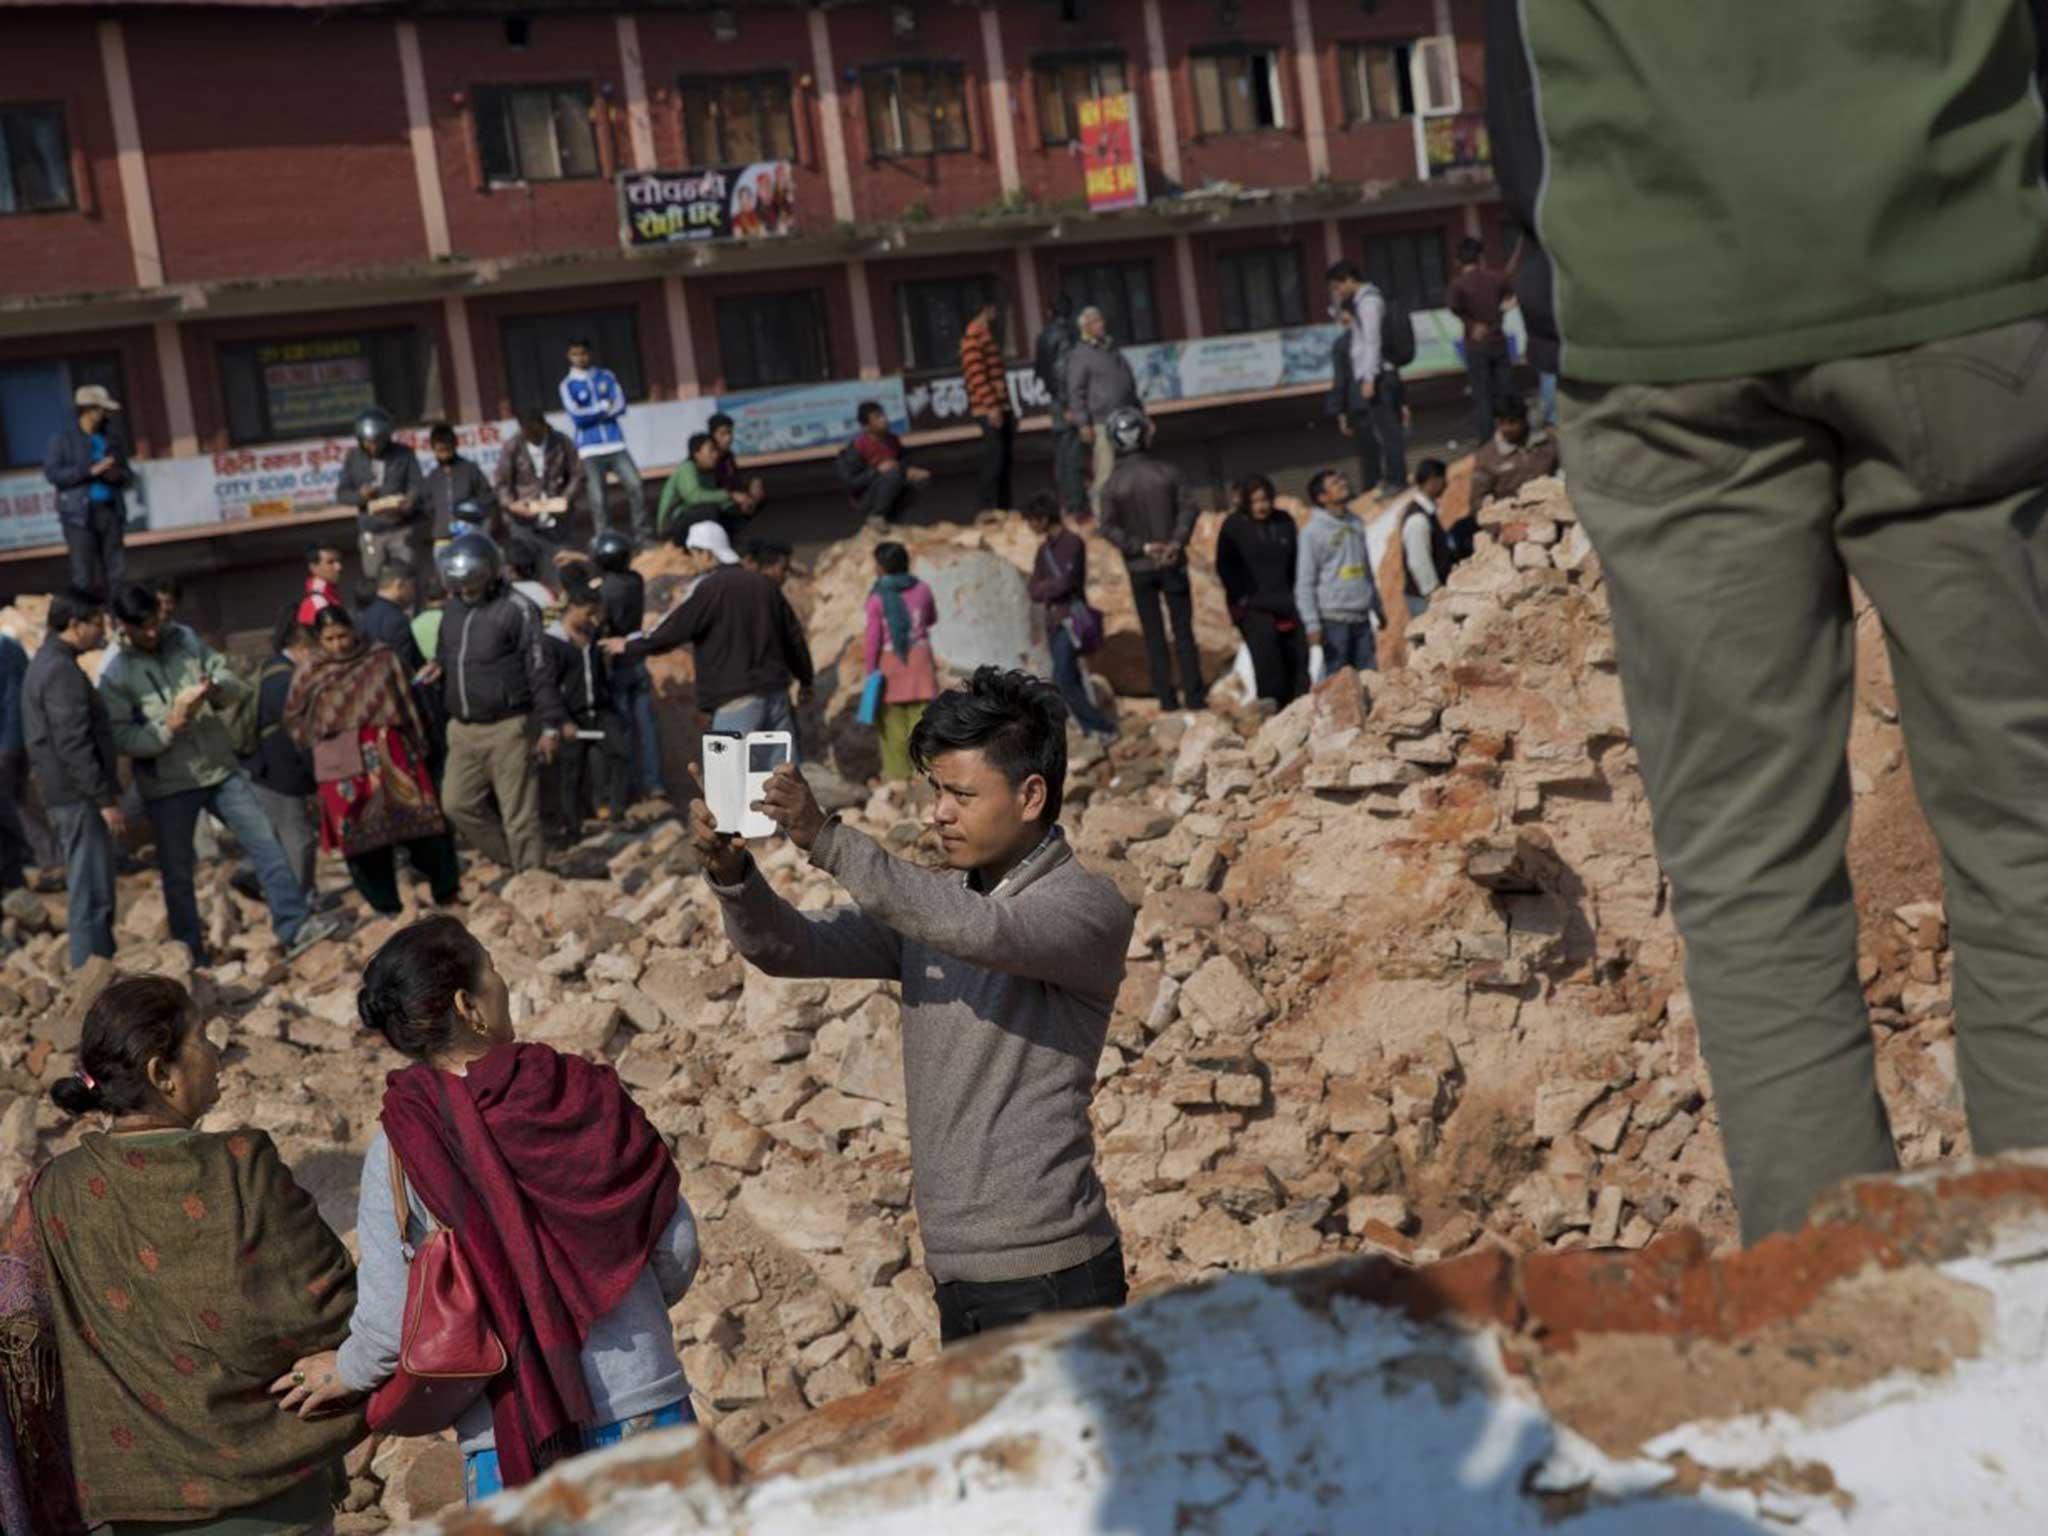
(401, 1209)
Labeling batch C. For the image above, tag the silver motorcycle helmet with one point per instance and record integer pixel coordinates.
(373, 431)
(469, 565)
(1128, 429)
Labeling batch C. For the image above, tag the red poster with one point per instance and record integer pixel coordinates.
(1109, 151)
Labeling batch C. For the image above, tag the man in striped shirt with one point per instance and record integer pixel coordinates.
(988, 396)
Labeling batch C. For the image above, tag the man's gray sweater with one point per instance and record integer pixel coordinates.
(1006, 1002)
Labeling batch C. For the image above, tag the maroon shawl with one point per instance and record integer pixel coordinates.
(557, 1188)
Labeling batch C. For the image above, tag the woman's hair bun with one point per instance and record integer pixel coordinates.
(73, 1096)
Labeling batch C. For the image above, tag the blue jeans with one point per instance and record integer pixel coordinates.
(758, 712)
(88, 880)
(1546, 392)
(633, 691)
(174, 817)
(1347, 644)
(620, 463)
(1066, 676)
(481, 1478)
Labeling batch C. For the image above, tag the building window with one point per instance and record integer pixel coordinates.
(1064, 83)
(1122, 290)
(1238, 91)
(932, 315)
(317, 386)
(535, 132)
(1410, 267)
(536, 352)
(35, 160)
(773, 338)
(35, 401)
(1261, 288)
(737, 119)
(915, 109)
(1383, 81)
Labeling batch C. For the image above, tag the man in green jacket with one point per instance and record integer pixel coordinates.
(165, 692)
(693, 494)
(1796, 258)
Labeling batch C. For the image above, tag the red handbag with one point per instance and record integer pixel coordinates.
(447, 1350)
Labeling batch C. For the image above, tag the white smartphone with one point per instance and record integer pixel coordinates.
(736, 770)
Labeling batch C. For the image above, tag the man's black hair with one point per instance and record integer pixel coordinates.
(318, 547)
(1470, 252)
(1510, 408)
(720, 420)
(440, 433)
(394, 572)
(534, 421)
(1346, 270)
(1317, 481)
(580, 341)
(1012, 718)
(287, 632)
(134, 603)
(868, 408)
(1042, 506)
(521, 564)
(698, 440)
(171, 587)
(892, 559)
(768, 551)
(583, 594)
(69, 608)
(1430, 469)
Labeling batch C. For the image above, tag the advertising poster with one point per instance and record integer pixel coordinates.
(1450, 144)
(28, 508)
(941, 399)
(808, 415)
(722, 202)
(1115, 172)
(308, 386)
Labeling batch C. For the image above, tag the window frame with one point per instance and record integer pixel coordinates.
(1276, 86)
(91, 366)
(1355, 94)
(872, 74)
(606, 324)
(422, 362)
(1289, 252)
(716, 85)
(508, 91)
(1380, 269)
(67, 159)
(1052, 65)
(984, 284)
(814, 297)
(1123, 267)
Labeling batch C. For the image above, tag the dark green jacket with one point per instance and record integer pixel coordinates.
(1727, 187)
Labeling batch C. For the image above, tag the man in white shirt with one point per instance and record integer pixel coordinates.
(1372, 410)
(1418, 510)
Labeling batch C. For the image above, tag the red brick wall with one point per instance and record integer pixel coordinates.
(1276, 157)
(946, 185)
(202, 364)
(277, 142)
(702, 295)
(673, 45)
(657, 358)
(1031, 32)
(462, 53)
(54, 56)
(142, 395)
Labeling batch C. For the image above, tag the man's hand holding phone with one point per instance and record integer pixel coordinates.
(723, 854)
(787, 801)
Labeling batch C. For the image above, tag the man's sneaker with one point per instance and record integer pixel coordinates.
(312, 931)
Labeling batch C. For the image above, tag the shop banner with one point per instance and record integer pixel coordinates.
(1114, 168)
(28, 509)
(936, 401)
(1446, 145)
(806, 415)
(721, 202)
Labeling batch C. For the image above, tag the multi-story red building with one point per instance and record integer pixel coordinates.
(243, 218)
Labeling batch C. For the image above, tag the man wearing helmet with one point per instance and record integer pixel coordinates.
(1149, 516)
(625, 613)
(381, 479)
(495, 674)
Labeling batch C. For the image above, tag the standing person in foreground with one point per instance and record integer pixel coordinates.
(873, 468)
(901, 611)
(381, 479)
(533, 482)
(563, 1197)
(1426, 546)
(750, 645)
(1334, 591)
(70, 741)
(988, 397)
(597, 406)
(352, 711)
(1374, 412)
(176, 1269)
(1255, 561)
(495, 674)
(1059, 580)
(279, 772)
(1477, 296)
(1736, 468)
(1099, 384)
(161, 692)
(89, 469)
(1149, 516)
(1009, 959)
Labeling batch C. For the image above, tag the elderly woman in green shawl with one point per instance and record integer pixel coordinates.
(901, 612)
(171, 1274)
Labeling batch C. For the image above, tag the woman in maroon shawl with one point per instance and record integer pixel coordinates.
(353, 709)
(562, 1196)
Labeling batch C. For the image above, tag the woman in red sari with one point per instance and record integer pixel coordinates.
(352, 707)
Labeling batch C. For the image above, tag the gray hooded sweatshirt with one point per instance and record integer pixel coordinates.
(1332, 572)
(1006, 1002)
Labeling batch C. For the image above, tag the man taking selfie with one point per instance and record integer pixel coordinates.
(1009, 958)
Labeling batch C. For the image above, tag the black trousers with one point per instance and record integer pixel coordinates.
(1382, 440)
(998, 447)
(887, 495)
(1279, 657)
(1492, 376)
(1158, 595)
(97, 550)
(968, 1307)
(589, 774)
(16, 851)
(376, 873)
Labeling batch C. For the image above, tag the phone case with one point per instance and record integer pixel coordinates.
(771, 748)
(725, 780)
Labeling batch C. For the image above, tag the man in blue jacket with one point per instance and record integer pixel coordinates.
(90, 471)
(596, 406)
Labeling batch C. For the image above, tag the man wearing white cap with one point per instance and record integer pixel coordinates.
(90, 471)
(750, 645)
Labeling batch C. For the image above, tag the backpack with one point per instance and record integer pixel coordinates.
(1397, 332)
(1446, 548)
(243, 717)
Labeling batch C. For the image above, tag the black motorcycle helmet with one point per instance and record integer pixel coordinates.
(613, 551)
(373, 430)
